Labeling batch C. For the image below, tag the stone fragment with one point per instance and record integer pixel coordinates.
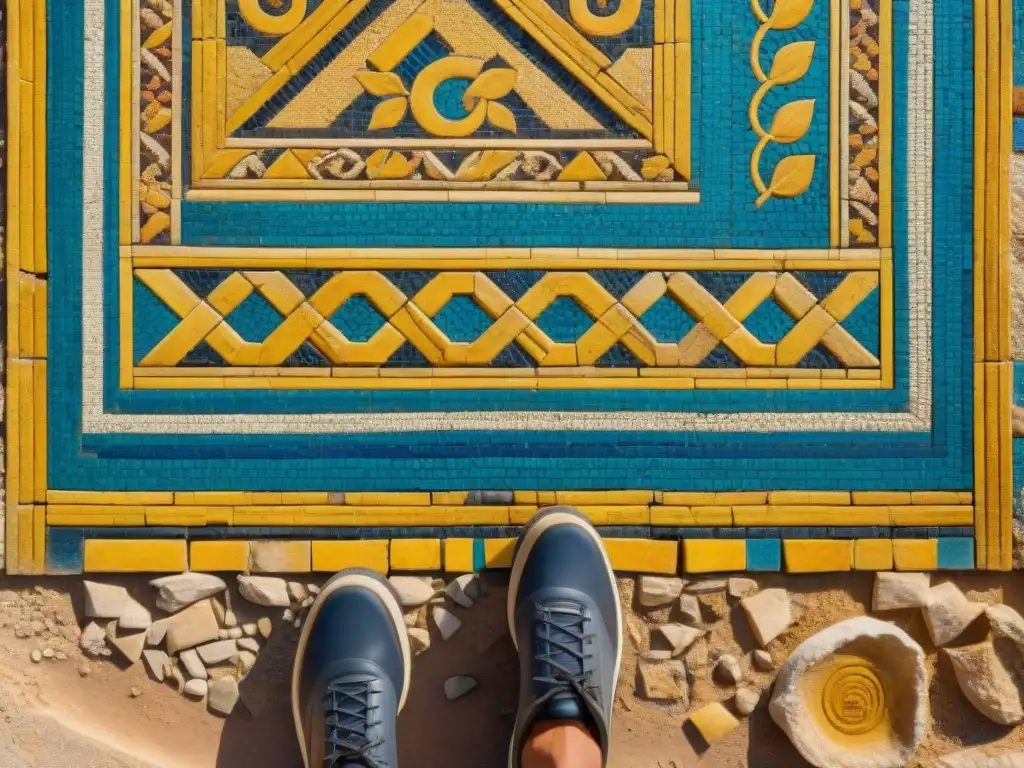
(689, 607)
(230, 620)
(974, 758)
(664, 681)
(419, 640)
(1007, 624)
(155, 661)
(658, 590)
(190, 627)
(459, 686)
(713, 721)
(297, 592)
(130, 646)
(175, 675)
(987, 683)
(223, 695)
(741, 587)
(249, 644)
(103, 601)
(447, 622)
(216, 652)
(728, 669)
(657, 655)
(413, 591)
(249, 629)
(269, 591)
(84, 668)
(679, 636)
(134, 615)
(881, 682)
(179, 590)
(746, 699)
(714, 604)
(264, 626)
(948, 613)
(36, 656)
(135, 692)
(769, 613)
(246, 659)
(698, 657)
(235, 633)
(193, 665)
(462, 589)
(155, 634)
(94, 640)
(762, 660)
(899, 590)
(196, 688)
(48, 653)
(704, 586)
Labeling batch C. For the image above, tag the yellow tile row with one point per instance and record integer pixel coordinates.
(460, 555)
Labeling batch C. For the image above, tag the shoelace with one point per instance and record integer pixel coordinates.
(348, 710)
(561, 639)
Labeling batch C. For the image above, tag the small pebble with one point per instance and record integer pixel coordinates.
(84, 669)
(135, 692)
(288, 615)
(235, 633)
(249, 629)
(36, 656)
(48, 653)
(264, 626)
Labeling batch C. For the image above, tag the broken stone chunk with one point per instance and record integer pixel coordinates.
(130, 646)
(155, 662)
(463, 590)
(769, 613)
(899, 590)
(987, 683)
(447, 622)
(297, 592)
(741, 587)
(223, 695)
(413, 591)
(155, 634)
(948, 613)
(679, 636)
(746, 699)
(134, 615)
(728, 670)
(190, 627)
(663, 681)
(419, 640)
(269, 591)
(182, 589)
(196, 688)
(103, 601)
(190, 660)
(658, 590)
(216, 652)
(249, 644)
(762, 660)
(457, 687)
(94, 640)
(703, 586)
(689, 607)
(264, 626)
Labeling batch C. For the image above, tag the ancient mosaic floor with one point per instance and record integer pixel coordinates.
(302, 284)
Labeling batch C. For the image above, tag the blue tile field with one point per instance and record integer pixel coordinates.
(690, 272)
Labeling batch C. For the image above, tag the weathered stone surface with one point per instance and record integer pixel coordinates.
(762, 660)
(249, 629)
(269, 591)
(223, 695)
(713, 721)
(900, 590)
(948, 613)
(419, 640)
(679, 636)
(36, 656)
(196, 688)
(177, 591)
(156, 633)
(413, 591)
(248, 644)
(974, 758)
(890, 656)
(703, 586)
(155, 662)
(689, 607)
(464, 590)
(769, 613)
(192, 626)
(94, 640)
(246, 659)
(728, 669)
(741, 587)
(713, 604)
(134, 615)
(103, 601)
(459, 686)
(193, 665)
(130, 646)
(664, 681)
(1006, 623)
(987, 683)
(746, 699)
(653, 591)
(297, 592)
(447, 622)
(216, 652)
(264, 626)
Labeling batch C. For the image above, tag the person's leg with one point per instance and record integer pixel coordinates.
(565, 621)
(351, 674)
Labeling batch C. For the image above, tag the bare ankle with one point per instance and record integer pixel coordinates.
(561, 744)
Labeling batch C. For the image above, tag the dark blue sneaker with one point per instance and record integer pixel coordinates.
(351, 674)
(565, 620)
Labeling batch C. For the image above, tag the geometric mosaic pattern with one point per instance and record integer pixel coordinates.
(704, 323)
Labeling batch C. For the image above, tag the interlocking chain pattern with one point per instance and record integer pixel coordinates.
(411, 319)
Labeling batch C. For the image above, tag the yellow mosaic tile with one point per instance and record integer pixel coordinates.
(817, 555)
(643, 555)
(415, 554)
(915, 554)
(333, 556)
(219, 556)
(872, 555)
(498, 552)
(135, 555)
(714, 555)
(279, 557)
(458, 555)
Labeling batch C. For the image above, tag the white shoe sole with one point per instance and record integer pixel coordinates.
(550, 520)
(387, 597)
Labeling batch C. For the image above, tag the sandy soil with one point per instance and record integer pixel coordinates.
(54, 717)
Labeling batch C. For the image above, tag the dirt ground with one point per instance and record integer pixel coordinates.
(112, 717)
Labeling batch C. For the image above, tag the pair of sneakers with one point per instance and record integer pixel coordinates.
(353, 663)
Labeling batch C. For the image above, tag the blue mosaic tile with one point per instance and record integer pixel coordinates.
(462, 319)
(764, 555)
(357, 319)
(564, 320)
(956, 554)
